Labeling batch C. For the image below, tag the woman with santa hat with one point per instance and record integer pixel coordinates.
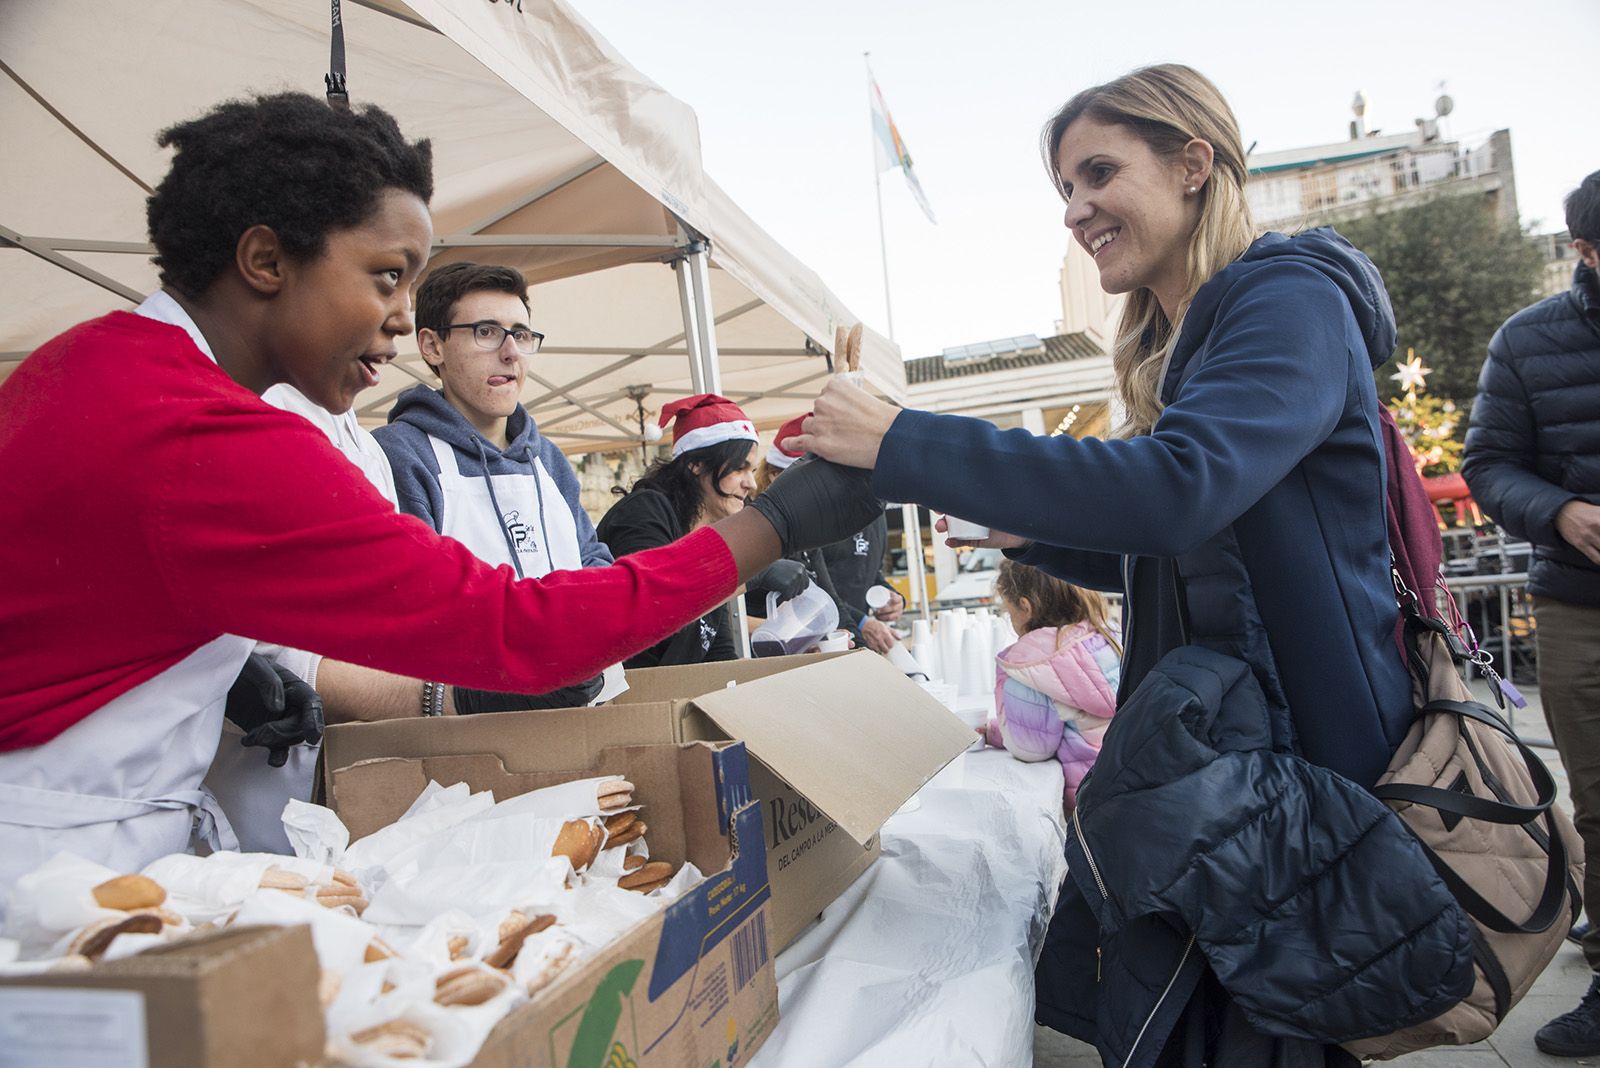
(711, 474)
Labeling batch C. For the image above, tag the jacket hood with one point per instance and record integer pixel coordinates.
(426, 409)
(1321, 249)
(1075, 667)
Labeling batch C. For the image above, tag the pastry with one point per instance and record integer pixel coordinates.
(400, 1039)
(339, 895)
(129, 892)
(377, 950)
(633, 863)
(166, 916)
(457, 946)
(628, 828)
(506, 952)
(96, 938)
(852, 349)
(515, 921)
(467, 986)
(579, 841)
(275, 878)
(652, 875)
(614, 794)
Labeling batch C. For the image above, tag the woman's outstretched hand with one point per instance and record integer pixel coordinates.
(997, 539)
(847, 426)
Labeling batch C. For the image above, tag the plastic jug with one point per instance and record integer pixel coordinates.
(796, 625)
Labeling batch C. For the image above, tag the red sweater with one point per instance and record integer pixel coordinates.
(152, 504)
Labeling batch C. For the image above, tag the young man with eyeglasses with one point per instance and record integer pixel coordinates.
(468, 458)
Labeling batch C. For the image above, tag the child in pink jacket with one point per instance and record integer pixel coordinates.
(1056, 688)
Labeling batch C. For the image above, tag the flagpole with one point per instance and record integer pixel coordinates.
(877, 185)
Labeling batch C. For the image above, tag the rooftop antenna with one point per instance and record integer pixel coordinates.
(1358, 128)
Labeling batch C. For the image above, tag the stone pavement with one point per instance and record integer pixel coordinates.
(1556, 991)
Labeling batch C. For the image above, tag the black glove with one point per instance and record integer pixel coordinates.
(816, 503)
(275, 708)
(786, 578)
(469, 702)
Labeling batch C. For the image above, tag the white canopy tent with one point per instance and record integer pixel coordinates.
(551, 153)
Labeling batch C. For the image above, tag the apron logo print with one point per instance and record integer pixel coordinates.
(521, 533)
(861, 544)
(707, 634)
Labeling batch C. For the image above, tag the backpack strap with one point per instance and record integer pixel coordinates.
(1479, 808)
(1479, 908)
(1550, 900)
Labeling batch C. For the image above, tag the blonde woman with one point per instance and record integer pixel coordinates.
(1239, 507)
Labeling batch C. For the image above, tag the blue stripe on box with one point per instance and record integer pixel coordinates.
(710, 913)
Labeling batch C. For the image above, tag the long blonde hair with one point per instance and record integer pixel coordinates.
(1166, 106)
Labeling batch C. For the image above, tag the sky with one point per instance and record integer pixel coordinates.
(781, 93)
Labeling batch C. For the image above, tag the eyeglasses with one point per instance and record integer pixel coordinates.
(490, 336)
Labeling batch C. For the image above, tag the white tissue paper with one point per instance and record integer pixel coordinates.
(54, 901)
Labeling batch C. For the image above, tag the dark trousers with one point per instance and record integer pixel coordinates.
(1569, 687)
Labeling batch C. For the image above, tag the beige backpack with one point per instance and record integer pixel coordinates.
(1481, 803)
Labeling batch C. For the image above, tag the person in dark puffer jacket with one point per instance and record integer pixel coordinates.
(1533, 463)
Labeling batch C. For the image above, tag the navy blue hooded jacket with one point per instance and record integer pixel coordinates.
(1262, 484)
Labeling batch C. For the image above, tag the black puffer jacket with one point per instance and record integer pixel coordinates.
(1534, 443)
(1194, 841)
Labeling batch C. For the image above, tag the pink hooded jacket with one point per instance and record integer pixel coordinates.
(1055, 692)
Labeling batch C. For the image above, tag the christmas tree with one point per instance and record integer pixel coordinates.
(1429, 423)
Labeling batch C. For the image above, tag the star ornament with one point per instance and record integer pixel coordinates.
(1411, 374)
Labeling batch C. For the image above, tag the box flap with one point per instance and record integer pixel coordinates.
(526, 741)
(851, 733)
(692, 680)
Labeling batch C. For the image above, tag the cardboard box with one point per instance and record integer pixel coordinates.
(691, 986)
(244, 997)
(838, 742)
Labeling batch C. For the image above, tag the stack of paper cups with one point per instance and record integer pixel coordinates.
(1004, 636)
(923, 648)
(950, 647)
(977, 667)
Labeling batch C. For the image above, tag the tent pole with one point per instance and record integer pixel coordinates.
(699, 268)
(700, 338)
(691, 328)
(916, 571)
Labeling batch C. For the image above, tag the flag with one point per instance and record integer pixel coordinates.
(891, 148)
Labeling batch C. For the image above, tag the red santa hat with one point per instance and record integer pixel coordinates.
(705, 419)
(778, 457)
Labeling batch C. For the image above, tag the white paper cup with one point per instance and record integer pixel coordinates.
(837, 641)
(962, 530)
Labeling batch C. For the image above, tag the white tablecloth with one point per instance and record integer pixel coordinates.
(928, 958)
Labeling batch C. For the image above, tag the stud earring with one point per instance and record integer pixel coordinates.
(1191, 190)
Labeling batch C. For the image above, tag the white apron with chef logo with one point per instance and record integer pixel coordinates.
(544, 543)
(123, 786)
(543, 547)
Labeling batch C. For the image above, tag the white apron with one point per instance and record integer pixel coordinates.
(251, 791)
(535, 516)
(541, 527)
(123, 786)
